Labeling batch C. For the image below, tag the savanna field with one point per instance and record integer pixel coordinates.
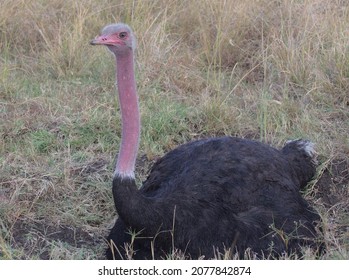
(268, 70)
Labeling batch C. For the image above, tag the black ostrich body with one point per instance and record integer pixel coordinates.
(219, 193)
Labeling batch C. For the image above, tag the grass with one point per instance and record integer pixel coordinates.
(266, 70)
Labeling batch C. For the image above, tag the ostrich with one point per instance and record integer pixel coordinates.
(207, 196)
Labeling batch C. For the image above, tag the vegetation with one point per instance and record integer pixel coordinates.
(270, 70)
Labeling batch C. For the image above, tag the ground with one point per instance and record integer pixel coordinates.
(38, 238)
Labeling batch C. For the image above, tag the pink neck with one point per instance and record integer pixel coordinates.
(130, 118)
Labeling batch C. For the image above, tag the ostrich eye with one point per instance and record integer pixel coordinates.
(122, 35)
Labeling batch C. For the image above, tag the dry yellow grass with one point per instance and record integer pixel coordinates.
(268, 70)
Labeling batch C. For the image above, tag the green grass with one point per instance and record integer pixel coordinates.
(266, 70)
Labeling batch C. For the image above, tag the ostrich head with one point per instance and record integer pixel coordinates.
(117, 37)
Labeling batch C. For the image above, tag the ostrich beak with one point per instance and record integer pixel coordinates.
(100, 40)
(105, 40)
(94, 42)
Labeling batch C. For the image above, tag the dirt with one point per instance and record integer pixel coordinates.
(332, 187)
(36, 238)
(98, 165)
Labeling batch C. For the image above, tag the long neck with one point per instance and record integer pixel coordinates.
(130, 118)
(135, 209)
